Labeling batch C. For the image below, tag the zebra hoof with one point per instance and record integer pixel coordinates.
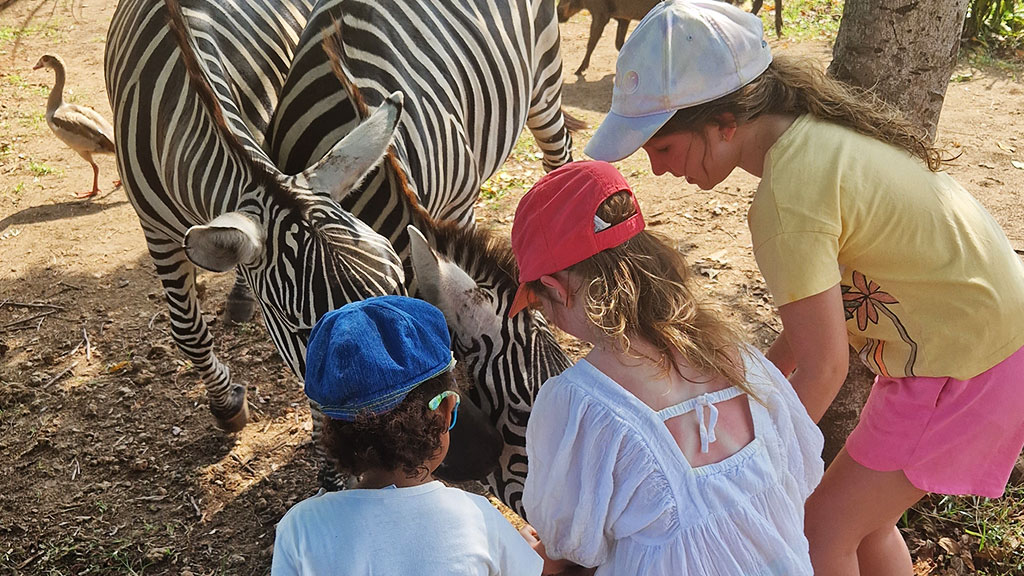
(235, 415)
(238, 310)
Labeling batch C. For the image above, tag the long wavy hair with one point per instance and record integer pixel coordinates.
(797, 86)
(643, 288)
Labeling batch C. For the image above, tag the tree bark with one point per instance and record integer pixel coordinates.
(904, 50)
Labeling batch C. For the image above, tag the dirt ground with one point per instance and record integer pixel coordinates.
(109, 461)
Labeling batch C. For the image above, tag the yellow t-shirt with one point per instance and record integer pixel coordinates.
(931, 285)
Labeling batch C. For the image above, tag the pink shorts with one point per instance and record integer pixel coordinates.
(948, 436)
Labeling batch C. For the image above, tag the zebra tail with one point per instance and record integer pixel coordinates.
(572, 123)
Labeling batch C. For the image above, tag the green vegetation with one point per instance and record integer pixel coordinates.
(804, 19)
(40, 169)
(990, 530)
(518, 173)
(996, 24)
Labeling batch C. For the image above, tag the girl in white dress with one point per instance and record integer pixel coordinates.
(671, 448)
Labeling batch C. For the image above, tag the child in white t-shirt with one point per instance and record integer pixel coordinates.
(381, 370)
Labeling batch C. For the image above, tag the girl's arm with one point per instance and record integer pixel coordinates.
(781, 355)
(815, 335)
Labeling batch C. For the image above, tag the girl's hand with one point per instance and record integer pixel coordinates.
(550, 566)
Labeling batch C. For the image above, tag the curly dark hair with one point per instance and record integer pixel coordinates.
(406, 437)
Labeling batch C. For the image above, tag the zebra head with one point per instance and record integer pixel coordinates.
(287, 235)
(470, 274)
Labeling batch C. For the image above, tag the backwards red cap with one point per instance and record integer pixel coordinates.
(556, 223)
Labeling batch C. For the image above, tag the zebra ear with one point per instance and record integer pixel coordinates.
(341, 169)
(426, 266)
(230, 239)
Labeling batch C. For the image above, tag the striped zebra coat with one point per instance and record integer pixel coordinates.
(474, 72)
(471, 275)
(191, 91)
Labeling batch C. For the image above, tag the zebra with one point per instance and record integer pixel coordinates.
(191, 99)
(474, 72)
(470, 274)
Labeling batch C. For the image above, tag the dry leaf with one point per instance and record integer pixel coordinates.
(119, 366)
(985, 165)
(1017, 164)
(949, 545)
(1010, 149)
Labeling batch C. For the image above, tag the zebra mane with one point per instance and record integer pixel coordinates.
(481, 252)
(476, 250)
(263, 176)
(335, 50)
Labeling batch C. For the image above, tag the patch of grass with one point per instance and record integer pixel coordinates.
(51, 30)
(986, 58)
(990, 529)
(522, 168)
(804, 19)
(40, 169)
(34, 120)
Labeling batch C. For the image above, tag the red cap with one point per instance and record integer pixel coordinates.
(556, 223)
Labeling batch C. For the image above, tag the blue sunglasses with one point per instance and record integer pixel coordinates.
(436, 401)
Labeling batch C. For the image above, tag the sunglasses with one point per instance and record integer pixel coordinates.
(436, 401)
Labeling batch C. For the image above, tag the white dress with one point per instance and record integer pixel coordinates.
(608, 486)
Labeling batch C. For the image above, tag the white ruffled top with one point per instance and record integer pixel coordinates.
(609, 487)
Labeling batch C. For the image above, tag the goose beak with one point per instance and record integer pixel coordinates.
(37, 66)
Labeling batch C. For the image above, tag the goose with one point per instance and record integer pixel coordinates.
(80, 127)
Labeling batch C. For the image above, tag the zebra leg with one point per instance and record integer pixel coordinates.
(545, 119)
(191, 334)
(241, 303)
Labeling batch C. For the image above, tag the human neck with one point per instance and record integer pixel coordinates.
(378, 478)
(759, 135)
(641, 371)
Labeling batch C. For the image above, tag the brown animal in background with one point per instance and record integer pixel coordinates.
(778, 14)
(601, 11)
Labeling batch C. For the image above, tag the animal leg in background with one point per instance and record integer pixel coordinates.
(620, 32)
(597, 24)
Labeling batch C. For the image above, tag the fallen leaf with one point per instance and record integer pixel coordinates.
(119, 366)
(1010, 149)
(985, 165)
(1017, 164)
(949, 545)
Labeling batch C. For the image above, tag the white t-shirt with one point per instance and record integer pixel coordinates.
(429, 529)
(609, 487)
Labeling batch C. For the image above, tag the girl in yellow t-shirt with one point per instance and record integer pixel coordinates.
(862, 242)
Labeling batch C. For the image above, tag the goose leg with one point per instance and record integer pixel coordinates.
(95, 183)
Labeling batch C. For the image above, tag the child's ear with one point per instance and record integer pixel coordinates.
(557, 288)
(726, 125)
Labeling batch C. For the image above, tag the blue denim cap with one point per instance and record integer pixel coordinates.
(368, 355)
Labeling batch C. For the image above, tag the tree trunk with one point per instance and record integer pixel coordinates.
(904, 50)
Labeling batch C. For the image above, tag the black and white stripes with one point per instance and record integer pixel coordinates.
(474, 73)
(192, 88)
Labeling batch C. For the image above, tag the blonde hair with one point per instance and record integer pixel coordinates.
(798, 86)
(642, 288)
